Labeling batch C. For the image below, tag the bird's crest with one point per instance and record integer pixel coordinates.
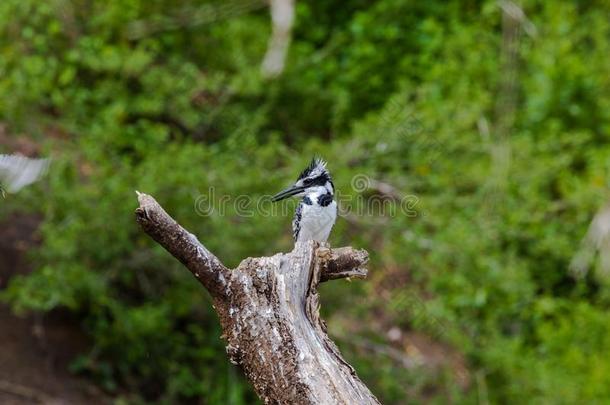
(317, 167)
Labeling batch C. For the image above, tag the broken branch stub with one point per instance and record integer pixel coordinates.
(269, 312)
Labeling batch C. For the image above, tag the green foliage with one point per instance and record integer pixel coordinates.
(403, 93)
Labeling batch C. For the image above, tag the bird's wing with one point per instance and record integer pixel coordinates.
(17, 172)
(600, 227)
(296, 220)
(597, 239)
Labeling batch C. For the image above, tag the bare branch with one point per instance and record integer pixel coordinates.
(282, 17)
(182, 244)
(268, 308)
(345, 262)
(27, 393)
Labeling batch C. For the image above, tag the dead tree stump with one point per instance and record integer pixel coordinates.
(269, 312)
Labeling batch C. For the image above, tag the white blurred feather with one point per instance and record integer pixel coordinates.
(17, 171)
(282, 19)
(597, 239)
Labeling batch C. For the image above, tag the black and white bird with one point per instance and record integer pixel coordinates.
(317, 211)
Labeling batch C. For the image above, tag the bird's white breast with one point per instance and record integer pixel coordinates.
(317, 222)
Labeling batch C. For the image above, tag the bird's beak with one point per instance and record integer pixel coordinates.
(290, 191)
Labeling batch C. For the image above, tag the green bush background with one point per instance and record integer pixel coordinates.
(404, 92)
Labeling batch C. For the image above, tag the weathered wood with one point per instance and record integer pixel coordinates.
(269, 312)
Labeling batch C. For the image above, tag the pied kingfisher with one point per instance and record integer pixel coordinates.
(317, 211)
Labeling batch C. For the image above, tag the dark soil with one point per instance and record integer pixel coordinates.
(36, 350)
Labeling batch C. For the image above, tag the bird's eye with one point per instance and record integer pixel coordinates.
(307, 182)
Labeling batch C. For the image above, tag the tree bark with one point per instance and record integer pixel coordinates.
(269, 312)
